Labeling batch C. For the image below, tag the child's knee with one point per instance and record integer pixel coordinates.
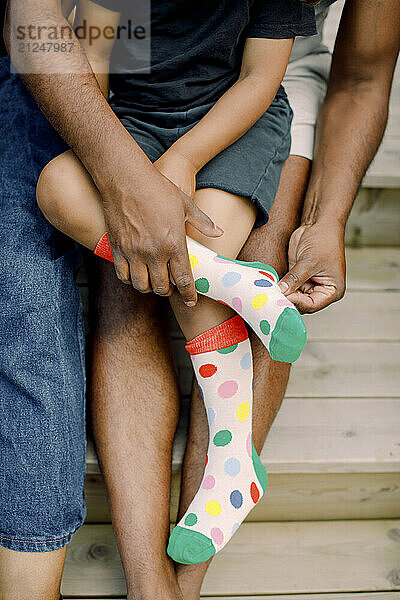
(48, 188)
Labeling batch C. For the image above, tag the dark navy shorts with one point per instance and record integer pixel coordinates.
(250, 167)
(42, 375)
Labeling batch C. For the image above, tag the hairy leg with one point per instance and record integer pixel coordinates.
(31, 575)
(135, 408)
(268, 243)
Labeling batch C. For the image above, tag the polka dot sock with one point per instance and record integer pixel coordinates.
(234, 478)
(250, 289)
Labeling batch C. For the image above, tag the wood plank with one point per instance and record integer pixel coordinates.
(357, 317)
(331, 369)
(335, 435)
(262, 558)
(324, 435)
(346, 369)
(356, 596)
(293, 497)
(373, 268)
(374, 219)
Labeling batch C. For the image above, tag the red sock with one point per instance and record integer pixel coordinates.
(103, 248)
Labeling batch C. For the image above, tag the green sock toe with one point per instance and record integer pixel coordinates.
(189, 547)
(289, 336)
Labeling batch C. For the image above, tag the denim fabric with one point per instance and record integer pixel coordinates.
(42, 375)
(250, 167)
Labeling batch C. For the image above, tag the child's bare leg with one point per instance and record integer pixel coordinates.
(69, 199)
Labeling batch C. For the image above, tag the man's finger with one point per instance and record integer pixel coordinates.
(121, 267)
(182, 275)
(159, 277)
(312, 302)
(196, 217)
(295, 278)
(140, 277)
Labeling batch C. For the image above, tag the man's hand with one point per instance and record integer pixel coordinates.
(148, 237)
(317, 267)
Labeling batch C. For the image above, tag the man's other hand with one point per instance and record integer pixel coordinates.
(317, 266)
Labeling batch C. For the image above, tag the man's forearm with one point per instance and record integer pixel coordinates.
(349, 130)
(66, 90)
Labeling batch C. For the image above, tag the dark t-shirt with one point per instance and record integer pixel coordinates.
(195, 48)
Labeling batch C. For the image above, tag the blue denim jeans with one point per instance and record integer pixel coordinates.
(42, 370)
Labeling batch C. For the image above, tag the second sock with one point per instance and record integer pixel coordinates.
(234, 478)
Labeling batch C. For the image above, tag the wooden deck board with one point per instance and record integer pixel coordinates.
(356, 596)
(331, 369)
(335, 435)
(324, 435)
(262, 558)
(294, 497)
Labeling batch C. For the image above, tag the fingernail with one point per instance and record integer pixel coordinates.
(284, 286)
(190, 304)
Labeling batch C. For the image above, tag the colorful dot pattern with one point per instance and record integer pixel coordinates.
(229, 488)
(251, 289)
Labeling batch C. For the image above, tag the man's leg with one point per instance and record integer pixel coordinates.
(267, 244)
(40, 573)
(135, 407)
(42, 424)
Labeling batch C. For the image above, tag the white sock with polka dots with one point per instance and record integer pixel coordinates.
(252, 290)
(234, 478)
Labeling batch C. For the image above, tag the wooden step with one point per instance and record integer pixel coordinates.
(331, 369)
(356, 596)
(293, 497)
(262, 558)
(324, 435)
(375, 218)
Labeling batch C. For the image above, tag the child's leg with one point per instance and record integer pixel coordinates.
(69, 199)
(234, 479)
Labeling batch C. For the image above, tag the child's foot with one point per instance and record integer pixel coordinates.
(251, 289)
(234, 479)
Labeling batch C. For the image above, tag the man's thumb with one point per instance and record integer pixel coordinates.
(294, 279)
(201, 221)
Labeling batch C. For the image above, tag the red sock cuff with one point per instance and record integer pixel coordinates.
(226, 334)
(103, 248)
